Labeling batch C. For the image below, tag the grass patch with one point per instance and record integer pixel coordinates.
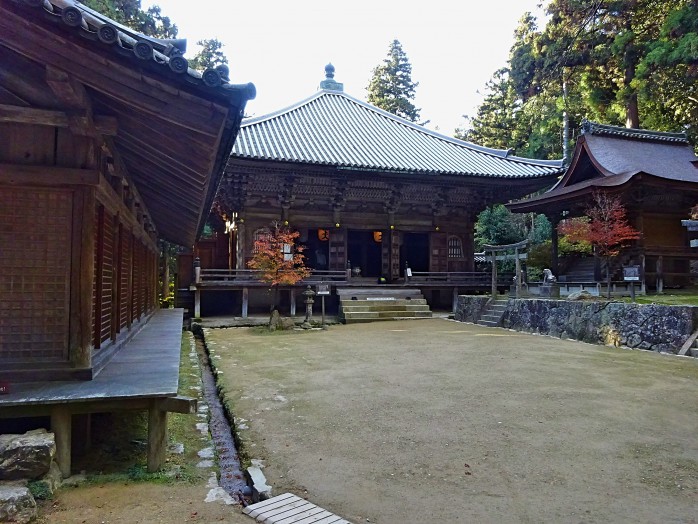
(675, 297)
(120, 440)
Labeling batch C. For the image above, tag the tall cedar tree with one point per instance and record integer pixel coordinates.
(280, 261)
(611, 61)
(605, 227)
(391, 87)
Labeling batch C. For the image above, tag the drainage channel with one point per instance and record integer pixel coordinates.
(232, 479)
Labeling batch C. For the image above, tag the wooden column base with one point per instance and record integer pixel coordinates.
(157, 437)
(61, 425)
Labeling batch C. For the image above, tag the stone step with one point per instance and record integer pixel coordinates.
(385, 307)
(377, 303)
(372, 316)
(488, 323)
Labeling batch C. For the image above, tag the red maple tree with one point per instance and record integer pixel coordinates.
(279, 259)
(605, 227)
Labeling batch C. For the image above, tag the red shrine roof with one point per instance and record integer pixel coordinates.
(334, 129)
(609, 156)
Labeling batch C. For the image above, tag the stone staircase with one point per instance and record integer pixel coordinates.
(373, 304)
(581, 271)
(492, 315)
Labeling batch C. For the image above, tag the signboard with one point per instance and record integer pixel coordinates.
(323, 289)
(408, 272)
(4, 388)
(694, 242)
(631, 273)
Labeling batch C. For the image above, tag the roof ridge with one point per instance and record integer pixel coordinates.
(595, 128)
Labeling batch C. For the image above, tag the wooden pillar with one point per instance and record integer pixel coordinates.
(643, 282)
(82, 275)
(165, 276)
(494, 274)
(61, 425)
(554, 244)
(240, 245)
(245, 301)
(293, 301)
(455, 300)
(660, 274)
(518, 273)
(197, 303)
(157, 437)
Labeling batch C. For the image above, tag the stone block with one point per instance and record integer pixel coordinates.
(26, 456)
(16, 503)
(260, 489)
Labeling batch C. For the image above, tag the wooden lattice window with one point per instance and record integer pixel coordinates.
(455, 247)
(36, 240)
(259, 235)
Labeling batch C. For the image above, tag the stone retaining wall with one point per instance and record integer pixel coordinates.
(643, 326)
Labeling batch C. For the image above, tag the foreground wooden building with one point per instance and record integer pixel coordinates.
(368, 191)
(108, 143)
(656, 176)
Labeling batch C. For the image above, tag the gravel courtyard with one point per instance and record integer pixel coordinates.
(439, 421)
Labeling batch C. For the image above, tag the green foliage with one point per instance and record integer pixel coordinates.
(40, 489)
(210, 55)
(129, 13)
(612, 61)
(391, 87)
(497, 225)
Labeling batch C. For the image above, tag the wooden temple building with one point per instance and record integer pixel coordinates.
(371, 195)
(108, 143)
(656, 176)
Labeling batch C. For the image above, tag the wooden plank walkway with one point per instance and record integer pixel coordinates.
(288, 508)
(142, 376)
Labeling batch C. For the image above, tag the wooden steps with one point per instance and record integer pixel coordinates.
(375, 304)
(492, 316)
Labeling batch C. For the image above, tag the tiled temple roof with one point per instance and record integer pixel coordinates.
(335, 129)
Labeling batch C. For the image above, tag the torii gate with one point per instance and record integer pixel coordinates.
(517, 256)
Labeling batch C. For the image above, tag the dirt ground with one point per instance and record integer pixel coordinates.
(139, 503)
(438, 421)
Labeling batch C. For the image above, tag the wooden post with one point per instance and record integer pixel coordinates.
(643, 288)
(245, 301)
(494, 274)
(157, 437)
(455, 300)
(165, 276)
(197, 303)
(554, 243)
(82, 276)
(293, 302)
(660, 274)
(61, 425)
(518, 273)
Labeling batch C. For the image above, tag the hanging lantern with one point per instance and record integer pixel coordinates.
(323, 235)
(378, 236)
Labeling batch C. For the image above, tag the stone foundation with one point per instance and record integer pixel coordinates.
(643, 326)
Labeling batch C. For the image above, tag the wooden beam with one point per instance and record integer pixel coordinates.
(103, 125)
(178, 404)
(25, 175)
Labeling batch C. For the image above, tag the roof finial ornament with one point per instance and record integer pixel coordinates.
(329, 83)
(329, 70)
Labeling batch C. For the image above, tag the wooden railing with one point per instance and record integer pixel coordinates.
(252, 276)
(462, 278)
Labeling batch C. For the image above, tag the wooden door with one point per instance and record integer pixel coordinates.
(438, 261)
(394, 254)
(338, 249)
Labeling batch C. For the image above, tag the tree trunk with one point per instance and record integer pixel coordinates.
(632, 113)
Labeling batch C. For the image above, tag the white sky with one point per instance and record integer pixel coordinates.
(282, 46)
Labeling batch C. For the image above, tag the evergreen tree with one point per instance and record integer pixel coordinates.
(211, 55)
(129, 13)
(391, 87)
